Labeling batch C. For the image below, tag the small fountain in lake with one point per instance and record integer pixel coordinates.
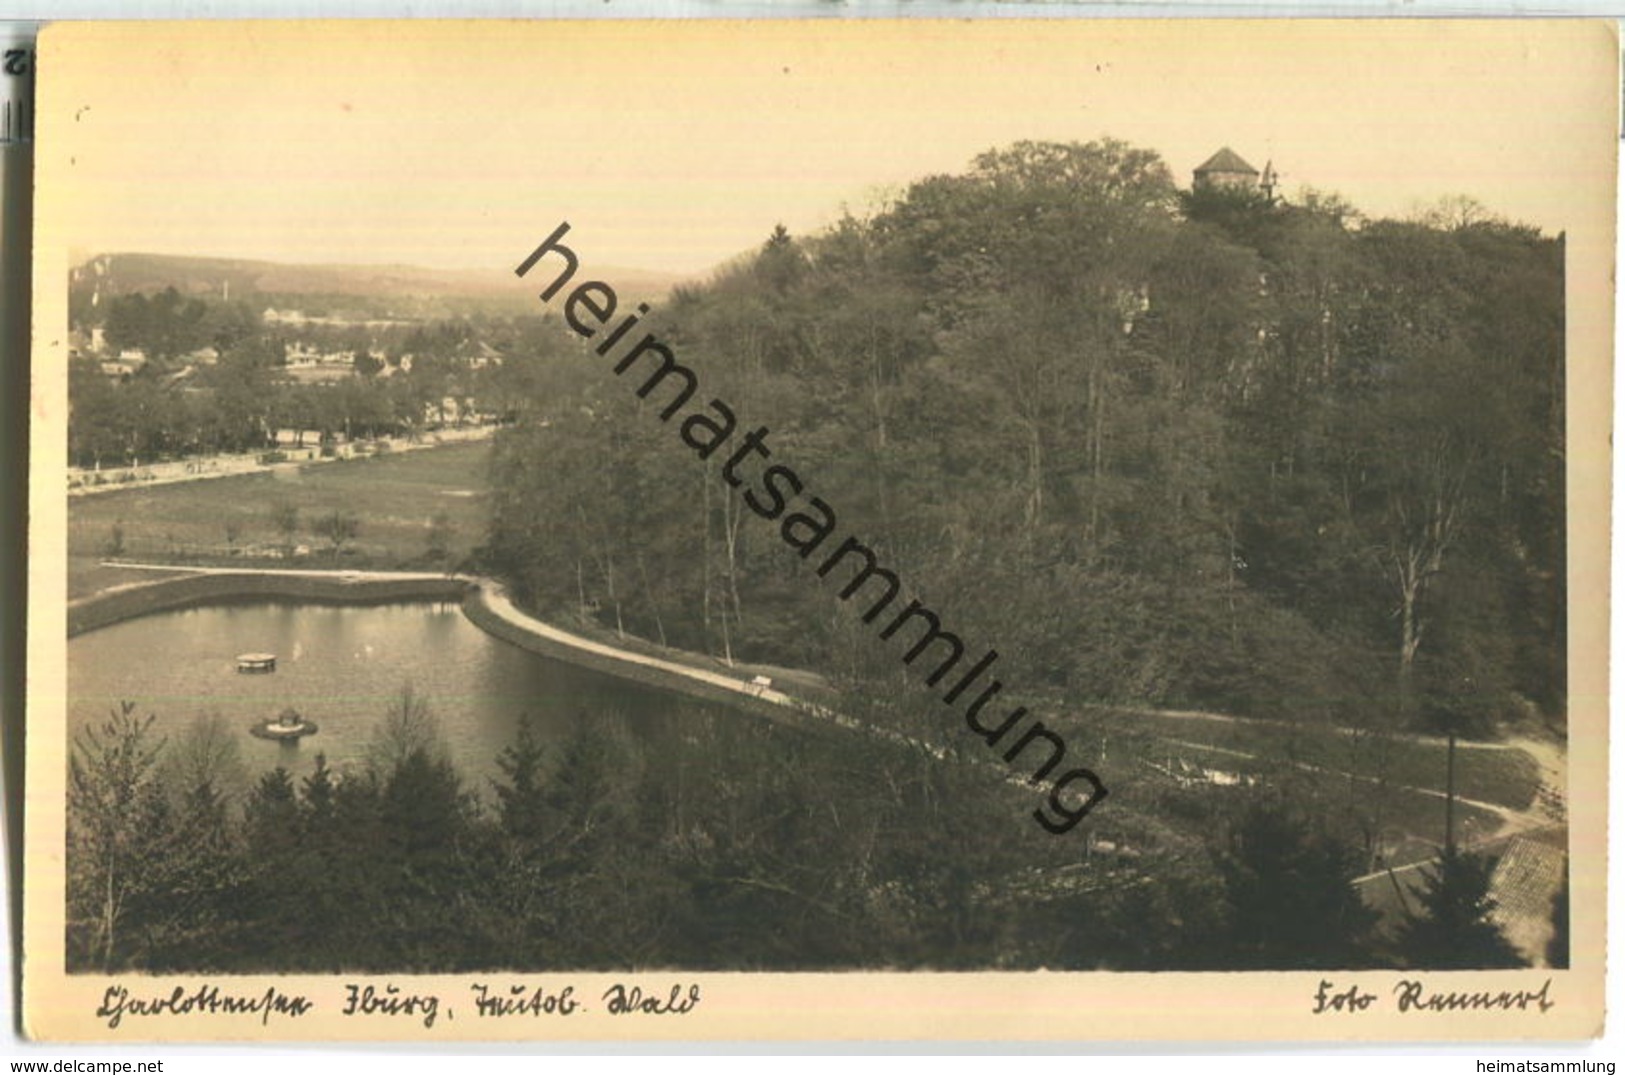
(287, 725)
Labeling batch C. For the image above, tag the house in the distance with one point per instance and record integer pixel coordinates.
(1225, 170)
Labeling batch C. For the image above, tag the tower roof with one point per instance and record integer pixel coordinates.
(1225, 160)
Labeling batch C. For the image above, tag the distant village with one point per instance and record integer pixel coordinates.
(160, 377)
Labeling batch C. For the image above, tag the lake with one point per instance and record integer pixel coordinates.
(344, 667)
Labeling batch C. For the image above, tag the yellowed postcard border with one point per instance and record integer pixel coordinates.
(1173, 1006)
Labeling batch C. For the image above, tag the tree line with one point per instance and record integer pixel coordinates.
(735, 845)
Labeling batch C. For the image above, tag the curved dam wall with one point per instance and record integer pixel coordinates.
(477, 609)
(169, 594)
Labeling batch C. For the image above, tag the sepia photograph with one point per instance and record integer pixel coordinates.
(777, 529)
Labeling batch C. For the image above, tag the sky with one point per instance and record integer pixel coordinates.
(674, 146)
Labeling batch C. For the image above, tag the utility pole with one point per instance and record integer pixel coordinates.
(1450, 799)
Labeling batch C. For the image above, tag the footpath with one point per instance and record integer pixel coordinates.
(84, 481)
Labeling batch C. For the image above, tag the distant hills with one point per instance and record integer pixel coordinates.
(376, 290)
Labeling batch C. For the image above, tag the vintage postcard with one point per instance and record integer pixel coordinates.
(1033, 529)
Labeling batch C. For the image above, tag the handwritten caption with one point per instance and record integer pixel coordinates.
(1411, 995)
(389, 1001)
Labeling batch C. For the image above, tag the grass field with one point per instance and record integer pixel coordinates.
(1490, 774)
(393, 497)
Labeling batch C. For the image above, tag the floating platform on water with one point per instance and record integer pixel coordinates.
(287, 725)
(256, 662)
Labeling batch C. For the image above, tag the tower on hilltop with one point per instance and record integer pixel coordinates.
(1225, 170)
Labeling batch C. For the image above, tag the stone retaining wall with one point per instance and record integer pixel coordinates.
(219, 588)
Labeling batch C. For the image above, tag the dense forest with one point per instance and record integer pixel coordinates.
(1207, 449)
(1203, 449)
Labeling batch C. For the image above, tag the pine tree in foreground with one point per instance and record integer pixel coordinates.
(1453, 930)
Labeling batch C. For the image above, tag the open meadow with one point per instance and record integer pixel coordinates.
(241, 521)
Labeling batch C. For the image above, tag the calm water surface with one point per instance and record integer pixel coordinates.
(343, 667)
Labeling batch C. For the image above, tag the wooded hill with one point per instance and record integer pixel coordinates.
(1207, 449)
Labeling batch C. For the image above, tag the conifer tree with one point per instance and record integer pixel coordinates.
(1453, 930)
